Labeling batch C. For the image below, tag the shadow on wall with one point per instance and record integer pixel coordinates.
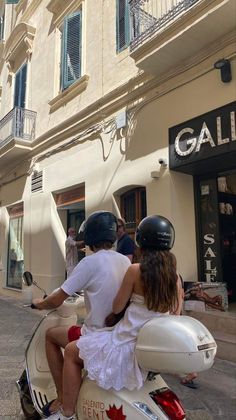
(12, 186)
(44, 257)
(146, 131)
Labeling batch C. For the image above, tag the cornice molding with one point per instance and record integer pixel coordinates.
(66, 95)
(60, 9)
(21, 38)
(29, 10)
(21, 5)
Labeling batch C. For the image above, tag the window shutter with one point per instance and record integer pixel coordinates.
(17, 89)
(20, 87)
(1, 27)
(122, 24)
(12, 1)
(71, 49)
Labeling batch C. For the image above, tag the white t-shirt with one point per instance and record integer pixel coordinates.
(100, 276)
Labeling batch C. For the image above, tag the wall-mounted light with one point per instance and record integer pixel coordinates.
(225, 69)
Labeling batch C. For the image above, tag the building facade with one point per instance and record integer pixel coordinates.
(127, 106)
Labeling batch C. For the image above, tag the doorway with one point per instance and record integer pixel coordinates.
(226, 183)
(216, 229)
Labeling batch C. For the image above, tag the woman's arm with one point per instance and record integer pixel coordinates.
(125, 290)
(180, 290)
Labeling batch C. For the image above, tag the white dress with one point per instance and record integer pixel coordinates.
(109, 354)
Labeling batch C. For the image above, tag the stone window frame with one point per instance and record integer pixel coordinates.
(60, 10)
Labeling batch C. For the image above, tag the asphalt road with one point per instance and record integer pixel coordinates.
(214, 399)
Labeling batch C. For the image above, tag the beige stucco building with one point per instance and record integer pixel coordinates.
(92, 94)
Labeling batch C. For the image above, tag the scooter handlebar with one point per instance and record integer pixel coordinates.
(33, 305)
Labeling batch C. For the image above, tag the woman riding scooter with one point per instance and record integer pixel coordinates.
(109, 355)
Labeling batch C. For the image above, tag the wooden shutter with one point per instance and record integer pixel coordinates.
(122, 24)
(1, 27)
(20, 87)
(133, 207)
(71, 49)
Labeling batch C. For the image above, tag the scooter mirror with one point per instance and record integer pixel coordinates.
(27, 278)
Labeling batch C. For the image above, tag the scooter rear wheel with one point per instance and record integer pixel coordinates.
(27, 404)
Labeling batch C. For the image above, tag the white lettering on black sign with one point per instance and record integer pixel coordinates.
(209, 257)
(194, 142)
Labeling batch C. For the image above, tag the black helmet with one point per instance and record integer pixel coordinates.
(101, 226)
(155, 232)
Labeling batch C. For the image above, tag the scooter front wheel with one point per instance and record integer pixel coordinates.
(27, 404)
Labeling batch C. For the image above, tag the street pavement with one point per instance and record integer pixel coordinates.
(214, 399)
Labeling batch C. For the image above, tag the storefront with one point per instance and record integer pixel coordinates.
(205, 147)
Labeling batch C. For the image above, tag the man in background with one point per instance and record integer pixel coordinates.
(125, 244)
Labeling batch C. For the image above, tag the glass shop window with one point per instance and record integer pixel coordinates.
(15, 248)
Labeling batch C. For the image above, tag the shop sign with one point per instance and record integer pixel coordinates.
(209, 238)
(210, 252)
(209, 135)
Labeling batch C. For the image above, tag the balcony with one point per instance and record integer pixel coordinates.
(17, 131)
(167, 33)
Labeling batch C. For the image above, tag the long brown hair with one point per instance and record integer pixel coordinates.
(158, 277)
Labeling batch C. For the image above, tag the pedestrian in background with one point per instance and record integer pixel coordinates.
(125, 244)
(72, 251)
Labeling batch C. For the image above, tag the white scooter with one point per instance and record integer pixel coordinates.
(167, 344)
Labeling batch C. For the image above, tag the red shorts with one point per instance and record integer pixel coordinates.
(74, 333)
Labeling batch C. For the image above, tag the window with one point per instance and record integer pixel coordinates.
(71, 49)
(15, 248)
(20, 87)
(122, 24)
(133, 207)
(12, 1)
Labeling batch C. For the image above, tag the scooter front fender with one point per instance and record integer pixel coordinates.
(41, 385)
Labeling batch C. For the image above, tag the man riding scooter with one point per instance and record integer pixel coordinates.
(99, 275)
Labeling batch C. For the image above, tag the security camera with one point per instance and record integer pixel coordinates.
(162, 162)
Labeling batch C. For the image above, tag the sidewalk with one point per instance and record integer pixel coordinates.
(215, 399)
(16, 326)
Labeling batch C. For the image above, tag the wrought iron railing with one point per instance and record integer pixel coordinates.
(18, 123)
(149, 16)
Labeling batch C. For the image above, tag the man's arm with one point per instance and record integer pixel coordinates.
(52, 301)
